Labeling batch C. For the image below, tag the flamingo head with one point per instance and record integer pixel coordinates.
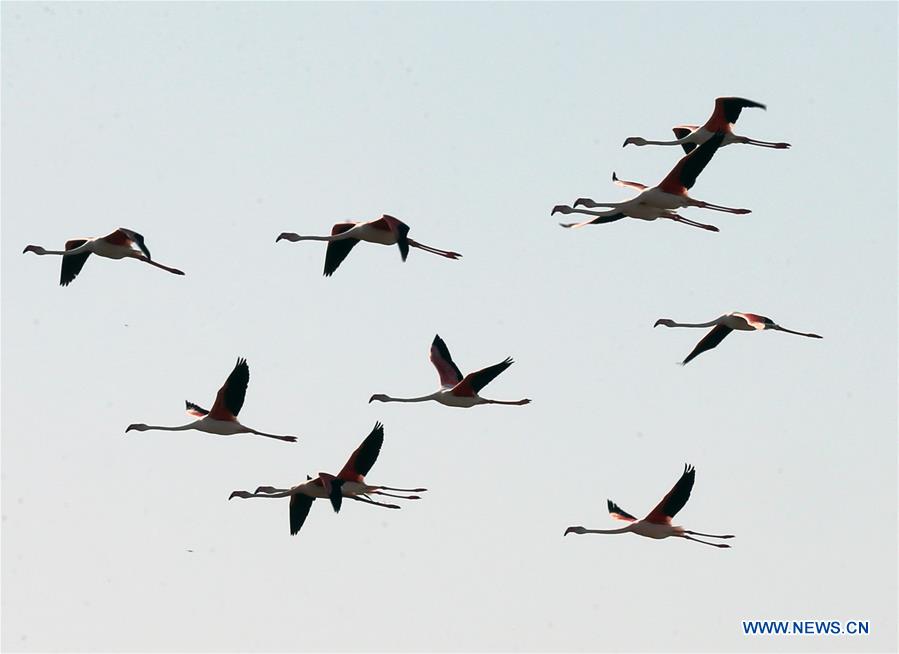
(664, 321)
(137, 427)
(37, 249)
(636, 140)
(379, 397)
(288, 236)
(575, 530)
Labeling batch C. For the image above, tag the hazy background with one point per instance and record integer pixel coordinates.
(210, 128)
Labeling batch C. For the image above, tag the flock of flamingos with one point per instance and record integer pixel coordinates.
(456, 389)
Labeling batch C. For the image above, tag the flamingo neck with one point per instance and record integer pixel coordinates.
(711, 323)
(423, 398)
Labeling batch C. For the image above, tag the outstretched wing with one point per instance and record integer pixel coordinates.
(449, 372)
(401, 231)
(364, 457)
(709, 341)
(229, 400)
(338, 250)
(681, 132)
(72, 264)
(195, 409)
(683, 175)
(299, 509)
(730, 108)
(675, 499)
(137, 239)
(475, 381)
(618, 513)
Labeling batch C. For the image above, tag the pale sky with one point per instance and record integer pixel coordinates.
(210, 128)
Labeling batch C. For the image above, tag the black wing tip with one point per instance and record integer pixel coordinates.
(241, 363)
(378, 428)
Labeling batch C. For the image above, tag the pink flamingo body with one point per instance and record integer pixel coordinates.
(659, 201)
(120, 244)
(657, 524)
(726, 112)
(349, 483)
(456, 390)
(222, 418)
(385, 230)
(724, 325)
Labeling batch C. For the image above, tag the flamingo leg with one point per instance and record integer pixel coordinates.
(402, 497)
(718, 207)
(697, 533)
(402, 490)
(370, 501)
(704, 542)
(686, 221)
(428, 248)
(767, 144)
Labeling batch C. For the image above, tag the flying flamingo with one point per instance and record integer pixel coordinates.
(386, 230)
(456, 390)
(658, 523)
(724, 325)
(117, 245)
(222, 419)
(349, 483)
(726, 113)
(659, 201)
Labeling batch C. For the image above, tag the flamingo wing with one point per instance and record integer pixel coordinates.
(475, 381)
(709, 341)
(626, 184)
(401, 231)
(731, 108)
(72, 264)
(300, 503)
(681, 132)
(137, 239)
(229, 400)
(449, 372)
(364, 457)
(675, 499)
(338, 250)
(618, 513)
(683, 175)
(195, 409)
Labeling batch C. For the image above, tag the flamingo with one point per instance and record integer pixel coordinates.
(222, 419)
(658, 523)
(456, 390)
(659, 201)
(349, 483)
(386, 230)
(726, 113)
(117, 245)
(724, 325)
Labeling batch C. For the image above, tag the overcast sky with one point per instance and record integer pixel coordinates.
(210, 128)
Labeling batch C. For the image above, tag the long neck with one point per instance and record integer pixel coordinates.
(423, 398)
(161, 428)
(623, 530)
(289, 236)
(711, 323)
